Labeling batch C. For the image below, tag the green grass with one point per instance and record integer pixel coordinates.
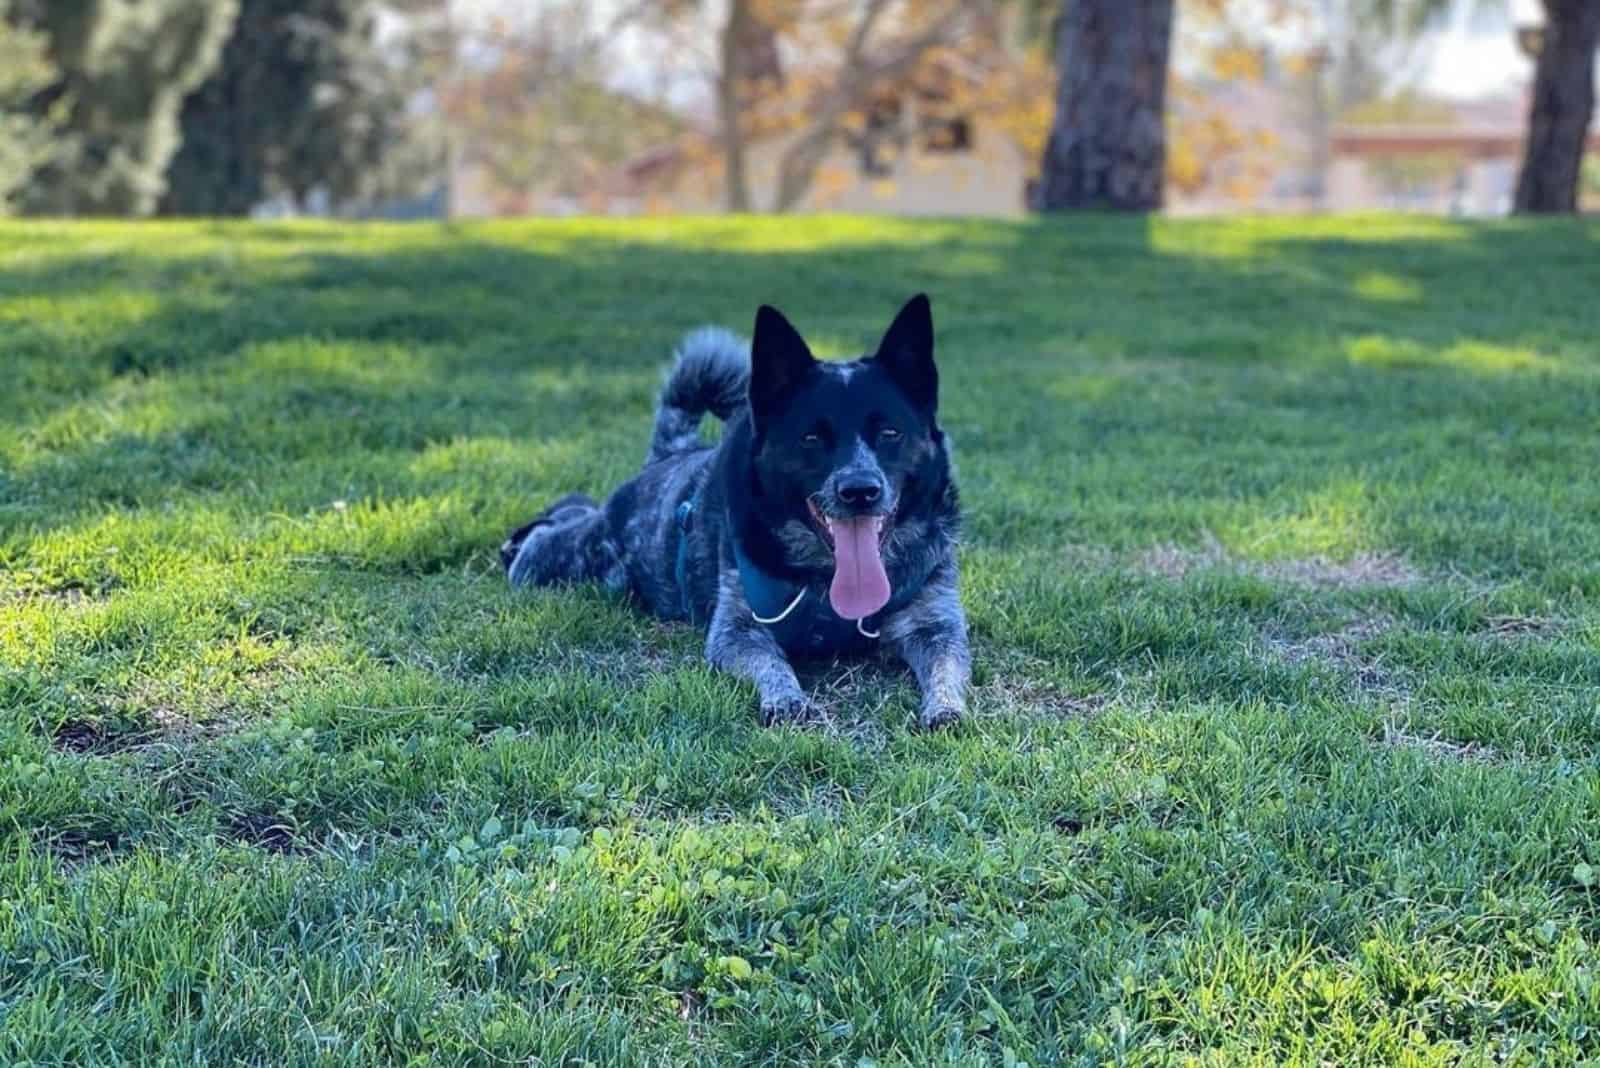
(1282, 573)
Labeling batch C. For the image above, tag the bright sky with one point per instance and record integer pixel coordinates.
(1478, 55)
(1476, 65)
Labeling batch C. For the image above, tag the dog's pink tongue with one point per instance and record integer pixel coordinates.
(860, 585)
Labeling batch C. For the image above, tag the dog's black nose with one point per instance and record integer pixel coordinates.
(860, 493)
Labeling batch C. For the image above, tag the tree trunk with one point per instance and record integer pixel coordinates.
(1108, 144)
(730, 104)
(1563, 106)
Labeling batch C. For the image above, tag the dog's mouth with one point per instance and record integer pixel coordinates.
(860, 584)
(825, 524)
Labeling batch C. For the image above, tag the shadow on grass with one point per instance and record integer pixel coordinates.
(1109, 381)
(469, 319)
(1132, 279)
(379, 694)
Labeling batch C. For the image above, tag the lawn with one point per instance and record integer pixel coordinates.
(1282, 565)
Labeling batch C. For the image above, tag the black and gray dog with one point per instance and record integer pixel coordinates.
(822, 524)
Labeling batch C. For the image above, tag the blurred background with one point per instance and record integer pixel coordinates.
(467, 108)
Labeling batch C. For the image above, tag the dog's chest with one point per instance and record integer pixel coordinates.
(799, 617)
(802, 619)
(814, 629)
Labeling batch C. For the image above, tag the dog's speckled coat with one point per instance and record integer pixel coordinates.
(800, 435)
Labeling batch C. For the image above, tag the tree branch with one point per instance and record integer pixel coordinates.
(858, 74)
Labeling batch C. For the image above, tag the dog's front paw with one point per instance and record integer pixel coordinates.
(936, 714)
(789, 708)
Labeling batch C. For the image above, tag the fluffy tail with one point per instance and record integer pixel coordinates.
(711, 373)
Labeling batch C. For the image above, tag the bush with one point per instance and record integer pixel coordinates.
(25, 137)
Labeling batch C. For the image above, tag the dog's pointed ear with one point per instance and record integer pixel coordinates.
(906, 352)
(779, 360)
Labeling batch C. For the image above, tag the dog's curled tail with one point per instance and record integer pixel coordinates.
(710, 373)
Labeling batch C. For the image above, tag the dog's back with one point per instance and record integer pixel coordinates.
(636, 541)
(822, 522)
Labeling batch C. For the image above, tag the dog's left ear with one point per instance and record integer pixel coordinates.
(906, 352)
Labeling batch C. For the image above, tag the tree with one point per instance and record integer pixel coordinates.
(1342, 54)
(1209, 151)
(1562, 108)
(123, 70)
(303, 99)
(1108, 142)
(529, 106)
(748, 48)
(807, 73)
(1368, 51)
(1361, 40)
(867, 62)
(24, 137)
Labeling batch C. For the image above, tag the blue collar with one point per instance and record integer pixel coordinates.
(768, 596)
(771, 598)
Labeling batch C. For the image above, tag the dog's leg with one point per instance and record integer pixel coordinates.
(737, 644)
(568, 542)
(571, 506)
(930, 635)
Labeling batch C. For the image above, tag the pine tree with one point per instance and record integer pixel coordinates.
(303, 100)
(24, 137)
(124, 67)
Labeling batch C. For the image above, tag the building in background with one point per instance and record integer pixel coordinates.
(1462, 163)
(909, 164)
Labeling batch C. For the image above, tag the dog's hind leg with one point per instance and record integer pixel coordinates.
(567, 542)
(568, 507)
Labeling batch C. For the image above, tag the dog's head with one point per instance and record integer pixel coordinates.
(847, 446)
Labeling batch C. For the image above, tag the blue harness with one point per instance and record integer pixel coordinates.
(800, 624)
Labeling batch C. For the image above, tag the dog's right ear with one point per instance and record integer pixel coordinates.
(779, 360)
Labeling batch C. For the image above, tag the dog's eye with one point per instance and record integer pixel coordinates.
(888, 433)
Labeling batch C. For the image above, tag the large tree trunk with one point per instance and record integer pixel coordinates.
(1108, 144)
(1563, 106)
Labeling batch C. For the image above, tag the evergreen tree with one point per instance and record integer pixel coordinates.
(304, 99)
(124, 68)
(24, 137)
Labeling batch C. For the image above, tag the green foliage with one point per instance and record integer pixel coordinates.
(1401, 109)
(1369, 40)
(24, 137)
(302, 99)
(125, 67)
(1281, 568)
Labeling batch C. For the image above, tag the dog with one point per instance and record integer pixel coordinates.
(823, 524)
